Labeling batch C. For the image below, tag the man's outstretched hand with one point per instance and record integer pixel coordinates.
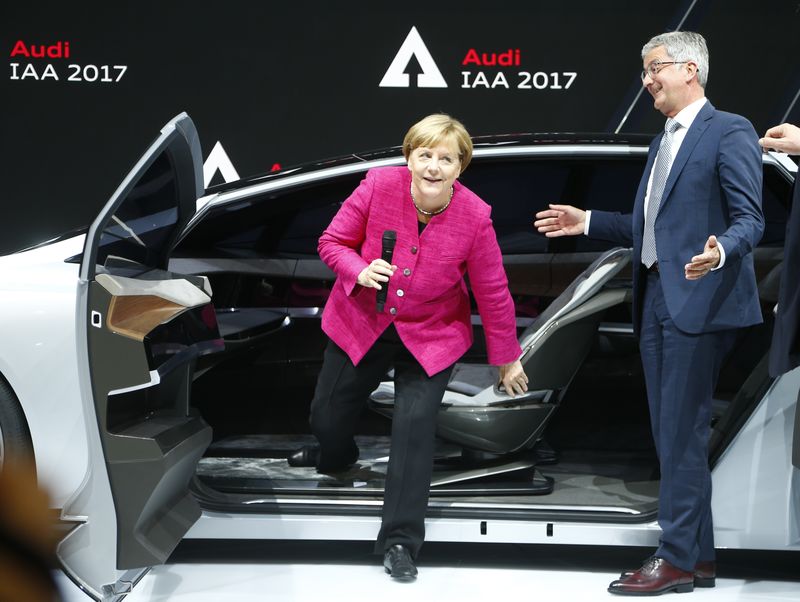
(560, 220)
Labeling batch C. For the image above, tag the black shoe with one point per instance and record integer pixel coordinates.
(398, 563)
(308, 455)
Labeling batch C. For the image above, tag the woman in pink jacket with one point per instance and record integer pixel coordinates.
(443, 231)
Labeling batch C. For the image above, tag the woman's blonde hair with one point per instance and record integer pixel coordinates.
(437, 129)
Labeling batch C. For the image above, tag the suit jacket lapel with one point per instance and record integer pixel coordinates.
(696, 130)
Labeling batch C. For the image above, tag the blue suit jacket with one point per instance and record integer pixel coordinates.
(714, 187)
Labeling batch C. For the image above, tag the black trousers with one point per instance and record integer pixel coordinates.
(341, 393)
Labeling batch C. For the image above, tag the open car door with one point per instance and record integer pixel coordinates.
(140, 330)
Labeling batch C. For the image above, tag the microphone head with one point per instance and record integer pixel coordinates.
(389, 236)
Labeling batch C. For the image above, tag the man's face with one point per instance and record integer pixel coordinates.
(669, 86)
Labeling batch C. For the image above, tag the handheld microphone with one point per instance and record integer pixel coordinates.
(387, 245)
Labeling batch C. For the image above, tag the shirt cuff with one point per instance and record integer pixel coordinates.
(721, 257)
(586, 223)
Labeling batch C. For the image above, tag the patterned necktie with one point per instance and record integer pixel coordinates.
(660, 173)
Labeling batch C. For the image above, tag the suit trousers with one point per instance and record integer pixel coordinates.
(681, 371)
(341, 394)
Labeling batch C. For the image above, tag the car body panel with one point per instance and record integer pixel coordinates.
(215, 525)
(752, 505)
(38, 302)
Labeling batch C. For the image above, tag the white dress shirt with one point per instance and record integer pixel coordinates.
(685, 117)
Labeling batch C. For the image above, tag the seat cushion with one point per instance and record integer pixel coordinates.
(471, 379)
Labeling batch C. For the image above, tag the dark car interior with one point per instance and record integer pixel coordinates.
(584, 444)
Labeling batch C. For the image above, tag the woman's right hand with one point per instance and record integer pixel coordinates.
(513, 378)
(375, 273)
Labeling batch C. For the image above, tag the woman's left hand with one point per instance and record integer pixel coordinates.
(513, 378)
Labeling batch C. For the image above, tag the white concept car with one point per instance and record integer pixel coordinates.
(160, 367)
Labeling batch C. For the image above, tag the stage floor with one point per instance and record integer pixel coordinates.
(349, 572)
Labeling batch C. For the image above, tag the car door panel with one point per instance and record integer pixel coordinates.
(144, 329)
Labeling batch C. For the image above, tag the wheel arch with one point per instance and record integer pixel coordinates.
(14, 427)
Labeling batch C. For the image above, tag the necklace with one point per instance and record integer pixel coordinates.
(429, 213)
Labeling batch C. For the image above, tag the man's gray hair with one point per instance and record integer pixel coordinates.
(683, 46)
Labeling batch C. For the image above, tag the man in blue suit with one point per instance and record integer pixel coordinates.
(696, 219)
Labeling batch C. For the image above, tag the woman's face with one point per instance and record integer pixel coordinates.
(434, 169)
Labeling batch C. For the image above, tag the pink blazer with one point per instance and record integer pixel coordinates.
(427, 298)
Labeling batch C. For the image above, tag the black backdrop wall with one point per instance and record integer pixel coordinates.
(277, 84)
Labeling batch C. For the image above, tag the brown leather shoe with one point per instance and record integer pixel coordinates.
(705, 573)
(656, 577)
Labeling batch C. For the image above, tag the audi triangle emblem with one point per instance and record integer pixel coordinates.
(397, 75)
